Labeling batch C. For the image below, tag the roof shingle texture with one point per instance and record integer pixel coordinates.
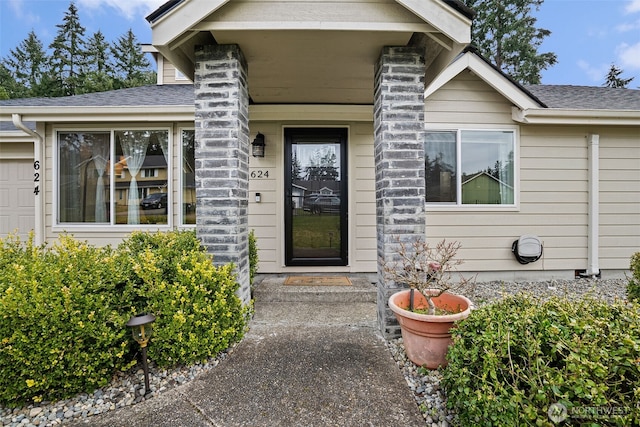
(586, 97)
(554, 96)
(152, 95)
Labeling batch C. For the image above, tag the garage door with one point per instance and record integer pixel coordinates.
(17, 201)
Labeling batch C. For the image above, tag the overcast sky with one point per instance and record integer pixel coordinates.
(587, 35)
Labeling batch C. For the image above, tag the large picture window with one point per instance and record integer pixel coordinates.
(470, 167)
(102, 178)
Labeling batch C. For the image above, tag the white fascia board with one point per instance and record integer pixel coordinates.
(143, 113)
(563, 116)
(502, 85)
(446, 19)
(181, 19)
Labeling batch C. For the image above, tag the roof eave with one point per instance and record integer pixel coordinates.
(565, 116)
(83, 114)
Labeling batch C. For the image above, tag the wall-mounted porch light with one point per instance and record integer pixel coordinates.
(141, 329)
(257, 146)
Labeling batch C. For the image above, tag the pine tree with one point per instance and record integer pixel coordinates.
(9, 88)
(98, 74)
(504, 31)
(27, 64)
(614, 80)
(130, 65)
(69, 56)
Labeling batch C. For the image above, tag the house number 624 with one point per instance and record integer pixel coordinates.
(259, 174)
(36, 177)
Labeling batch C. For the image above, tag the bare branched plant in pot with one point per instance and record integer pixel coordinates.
(431, 306)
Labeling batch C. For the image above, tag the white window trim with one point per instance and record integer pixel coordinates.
(459, 207)
(58, 227)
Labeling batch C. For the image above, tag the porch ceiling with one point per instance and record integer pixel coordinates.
(324, 67)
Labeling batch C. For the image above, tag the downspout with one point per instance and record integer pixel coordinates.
(593, 226)
(39, 158)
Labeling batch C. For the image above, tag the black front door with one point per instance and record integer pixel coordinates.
(316, 196)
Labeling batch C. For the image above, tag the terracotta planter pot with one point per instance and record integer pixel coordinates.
(426, 337)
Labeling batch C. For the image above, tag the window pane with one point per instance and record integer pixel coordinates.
(141, 199)
(83, 171)
(188, 177)
(440, 167)
(487, 167)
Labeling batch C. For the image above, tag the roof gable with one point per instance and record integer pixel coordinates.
(471, 60)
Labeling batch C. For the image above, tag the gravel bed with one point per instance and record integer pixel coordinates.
(425, 384)
(127, 388)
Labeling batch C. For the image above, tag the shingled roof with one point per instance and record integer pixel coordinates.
(152, 95)
(586, 97)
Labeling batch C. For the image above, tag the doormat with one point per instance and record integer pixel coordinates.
(317, 281)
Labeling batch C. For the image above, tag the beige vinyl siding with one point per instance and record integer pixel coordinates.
(267, 217)
(467, 99)
(169, 74)
(619, 196)
(552, 187)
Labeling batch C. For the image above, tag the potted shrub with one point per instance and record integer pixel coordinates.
(430, 307)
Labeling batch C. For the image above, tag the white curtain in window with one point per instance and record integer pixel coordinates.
(100, 151)
(134, 147)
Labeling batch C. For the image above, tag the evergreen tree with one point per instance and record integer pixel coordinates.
(69, 56)
(98, 74)
(27, 64)
(130, 65)
(613, 78)
(9, 88)
(504, 31)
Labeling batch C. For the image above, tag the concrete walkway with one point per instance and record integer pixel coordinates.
(303, 363)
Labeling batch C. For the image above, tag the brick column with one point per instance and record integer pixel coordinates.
(399, 160)
(222, 157)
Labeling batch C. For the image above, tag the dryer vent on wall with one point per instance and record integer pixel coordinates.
(527, 249)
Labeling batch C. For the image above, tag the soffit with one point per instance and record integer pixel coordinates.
(310, 51)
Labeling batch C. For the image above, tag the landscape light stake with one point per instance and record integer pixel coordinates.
(141, 329)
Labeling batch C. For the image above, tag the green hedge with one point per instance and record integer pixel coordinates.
(60, 333)
(197, 311)
(633, 288)
(63, 310)
(513, 360)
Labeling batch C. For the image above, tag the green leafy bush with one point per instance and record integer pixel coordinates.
(63, 310)
(59, 331)
(513, 360)
(633, 288)
(197, 311)
(253, 256)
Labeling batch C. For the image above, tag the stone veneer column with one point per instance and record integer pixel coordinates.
(399, 161)
(222, 157)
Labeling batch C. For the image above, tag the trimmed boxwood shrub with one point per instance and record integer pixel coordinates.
(633, 288)
(60, 333)
(514, 359)
(64, 307)
(197, 311)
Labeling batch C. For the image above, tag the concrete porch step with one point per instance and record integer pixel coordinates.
(271, 288)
